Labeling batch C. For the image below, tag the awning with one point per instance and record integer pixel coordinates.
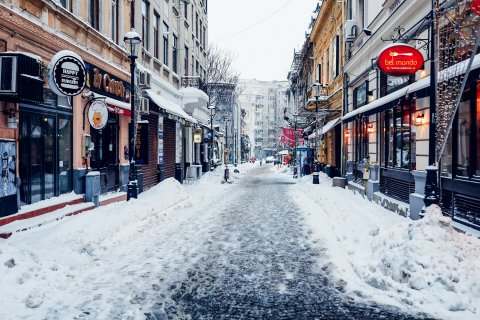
(388, 101)
(327, 127)
(169, 106)
(115, 106)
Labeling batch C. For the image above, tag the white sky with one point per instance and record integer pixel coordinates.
(275, 29)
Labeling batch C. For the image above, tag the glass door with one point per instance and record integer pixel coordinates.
(37, 157)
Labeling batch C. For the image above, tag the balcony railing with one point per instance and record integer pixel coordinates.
(195, 82)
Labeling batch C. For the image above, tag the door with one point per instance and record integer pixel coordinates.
(37, 157)
(105, 155)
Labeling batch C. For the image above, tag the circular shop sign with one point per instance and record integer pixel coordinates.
(66, 73)
(400, 60)
(98, 114)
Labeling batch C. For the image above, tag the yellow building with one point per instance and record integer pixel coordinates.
(328, 56)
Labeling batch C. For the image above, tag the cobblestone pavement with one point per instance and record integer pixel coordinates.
(259, 264)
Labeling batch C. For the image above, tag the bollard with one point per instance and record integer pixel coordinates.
(315, 178)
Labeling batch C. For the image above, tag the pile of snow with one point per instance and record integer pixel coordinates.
(105, 263)
(419, 266)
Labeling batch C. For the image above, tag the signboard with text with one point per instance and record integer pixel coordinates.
(66, 73)
(400, 60)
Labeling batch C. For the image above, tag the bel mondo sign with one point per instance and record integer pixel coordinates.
(66, 73)
(400, 60)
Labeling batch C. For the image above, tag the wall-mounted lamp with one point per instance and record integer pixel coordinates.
(11, 119)
(419, 119)
(370, 128)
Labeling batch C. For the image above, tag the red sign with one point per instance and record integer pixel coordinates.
(475, 5)
(400, 60)
(290, 133)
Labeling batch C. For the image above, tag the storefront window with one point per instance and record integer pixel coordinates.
(400, 137)
(463, 138)
(65, 154)
(447, 158)
(477, 135)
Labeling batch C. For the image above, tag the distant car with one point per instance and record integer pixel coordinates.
(269, 159)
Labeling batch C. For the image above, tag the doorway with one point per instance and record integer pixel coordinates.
(105, 154)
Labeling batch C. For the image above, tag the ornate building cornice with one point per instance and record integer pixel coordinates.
(20, 25)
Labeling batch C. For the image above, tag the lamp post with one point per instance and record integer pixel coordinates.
(295, 172)
(212, 109)
(317, 87)
(132, 43)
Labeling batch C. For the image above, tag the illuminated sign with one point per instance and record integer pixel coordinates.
(400, 60)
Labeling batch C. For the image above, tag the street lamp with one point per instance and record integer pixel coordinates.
(132, 43)
(295, 172)
(212, 113)
(318, 92)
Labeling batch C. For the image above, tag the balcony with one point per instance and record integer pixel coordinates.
(194, 82)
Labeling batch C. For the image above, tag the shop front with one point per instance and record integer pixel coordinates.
(460, 162)
(106, 150)
(45, 149)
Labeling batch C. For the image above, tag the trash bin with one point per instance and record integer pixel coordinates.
(315, 178)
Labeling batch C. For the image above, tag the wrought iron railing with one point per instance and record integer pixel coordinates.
(195, 82)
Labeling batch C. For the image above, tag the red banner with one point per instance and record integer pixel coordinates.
(290, 133)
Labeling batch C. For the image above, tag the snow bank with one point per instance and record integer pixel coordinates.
(105, 263)
(428, 262)
(374, 254)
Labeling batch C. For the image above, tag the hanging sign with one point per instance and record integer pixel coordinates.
(475, 5)
(98, 114)
(66, 73)
(197, 135)
(400, 60)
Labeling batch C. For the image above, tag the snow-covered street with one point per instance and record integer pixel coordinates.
(266, 246)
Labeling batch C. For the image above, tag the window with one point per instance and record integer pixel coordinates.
(196, 25)
(197, 68)
(336, 56)
(114, 20)
(319, 73)
(145, 24)
(185, 61)
(400, 137)
(165, 44)
(156, 36)
(185, 10)
(94, 14)
(361, 139)
(360, 95)
(201, 27)
(175, 54)
(204, 37)
(67, 4)
(461, 156)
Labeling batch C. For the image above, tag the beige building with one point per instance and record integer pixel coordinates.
(49, 142)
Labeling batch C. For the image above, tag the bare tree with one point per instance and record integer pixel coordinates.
(221, 78)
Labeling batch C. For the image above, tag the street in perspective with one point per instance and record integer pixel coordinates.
(195, 159)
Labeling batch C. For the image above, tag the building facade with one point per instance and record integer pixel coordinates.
(47, 139)
(266, 102)
(387, 137)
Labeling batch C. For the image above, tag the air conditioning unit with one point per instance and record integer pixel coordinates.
(144, 80)
(350, 31)
(8, 74)
(144, 106)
